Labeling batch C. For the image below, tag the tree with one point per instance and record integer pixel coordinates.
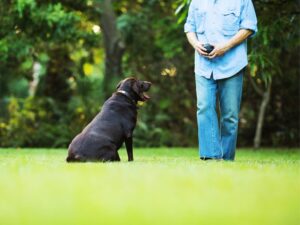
(43, 32)
(268, 50)
(113, 44)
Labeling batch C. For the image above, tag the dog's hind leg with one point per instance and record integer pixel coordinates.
(110, 156)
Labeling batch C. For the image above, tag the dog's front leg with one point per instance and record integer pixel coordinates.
(128, 143)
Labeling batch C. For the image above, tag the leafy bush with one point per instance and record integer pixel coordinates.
(41, 122)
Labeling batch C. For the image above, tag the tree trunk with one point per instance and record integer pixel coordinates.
(33, 84)
(261, 116)
(114, 46)
(54, 83)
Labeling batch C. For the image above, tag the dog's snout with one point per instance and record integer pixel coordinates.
(148, 83)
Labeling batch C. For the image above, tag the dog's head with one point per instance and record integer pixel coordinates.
(136, 88)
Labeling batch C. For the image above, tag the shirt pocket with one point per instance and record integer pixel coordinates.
(230, 21)
(200, 20)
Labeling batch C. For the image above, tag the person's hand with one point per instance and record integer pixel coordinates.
(220, 49)
(200, 49)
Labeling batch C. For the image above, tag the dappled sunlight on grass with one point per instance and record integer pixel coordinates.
(162, 186)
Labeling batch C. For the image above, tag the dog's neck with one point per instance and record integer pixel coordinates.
(125, 93)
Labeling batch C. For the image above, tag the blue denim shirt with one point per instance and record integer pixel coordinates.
(217, 21)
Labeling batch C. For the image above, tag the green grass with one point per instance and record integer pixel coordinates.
(162, 186)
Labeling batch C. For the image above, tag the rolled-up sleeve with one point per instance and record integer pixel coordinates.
(248, 17)
(190, 25)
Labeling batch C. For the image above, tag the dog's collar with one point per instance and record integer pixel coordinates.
(127, 95)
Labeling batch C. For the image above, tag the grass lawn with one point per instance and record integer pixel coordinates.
(162, 186)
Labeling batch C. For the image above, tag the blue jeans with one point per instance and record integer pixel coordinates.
(217, 138)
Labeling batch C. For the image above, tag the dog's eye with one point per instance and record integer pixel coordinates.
(142, 85)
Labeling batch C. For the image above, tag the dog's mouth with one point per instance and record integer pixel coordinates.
(144, 96)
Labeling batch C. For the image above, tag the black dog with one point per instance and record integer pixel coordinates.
(114, 124)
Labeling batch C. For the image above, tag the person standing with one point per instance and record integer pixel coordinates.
(218, 31)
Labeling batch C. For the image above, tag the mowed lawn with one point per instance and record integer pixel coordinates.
(162, 186)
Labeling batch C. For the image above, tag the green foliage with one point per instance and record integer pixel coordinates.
(22, 5)
(50, 33)
(182, 10)
(25, 123)
(32, 30)
(272, 41)
(42, 122)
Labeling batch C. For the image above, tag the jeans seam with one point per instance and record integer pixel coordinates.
(212, 125)
(212, 128)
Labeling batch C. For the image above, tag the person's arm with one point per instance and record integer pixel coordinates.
(220, 49)
(192, 38)
(190, 30)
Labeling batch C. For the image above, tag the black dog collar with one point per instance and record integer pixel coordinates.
(127, 95)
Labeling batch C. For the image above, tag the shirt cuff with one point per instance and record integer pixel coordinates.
(249, 25)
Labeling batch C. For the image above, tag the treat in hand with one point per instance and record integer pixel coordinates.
(208, 47)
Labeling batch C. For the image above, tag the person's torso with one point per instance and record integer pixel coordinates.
(217, 20)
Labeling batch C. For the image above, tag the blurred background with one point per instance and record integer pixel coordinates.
(60, 60)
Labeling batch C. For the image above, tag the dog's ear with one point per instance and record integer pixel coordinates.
(135, 87)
